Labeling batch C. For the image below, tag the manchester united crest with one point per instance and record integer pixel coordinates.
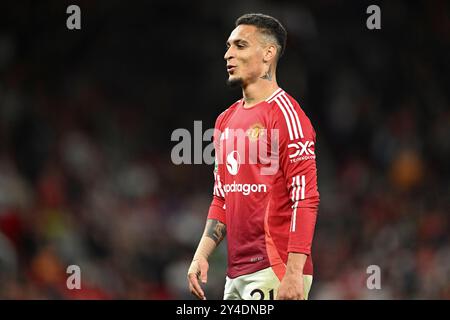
(255, 131)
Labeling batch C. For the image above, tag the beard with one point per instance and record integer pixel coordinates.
(235, 82)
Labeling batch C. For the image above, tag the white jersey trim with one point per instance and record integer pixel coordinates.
(290, 114)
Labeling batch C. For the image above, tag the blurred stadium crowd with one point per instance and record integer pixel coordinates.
(85, 124)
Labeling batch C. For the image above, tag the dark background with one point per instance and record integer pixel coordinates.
(86, 118)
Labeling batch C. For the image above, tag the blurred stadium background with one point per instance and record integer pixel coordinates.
(86, 119)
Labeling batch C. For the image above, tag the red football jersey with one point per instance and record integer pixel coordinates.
(265, 188)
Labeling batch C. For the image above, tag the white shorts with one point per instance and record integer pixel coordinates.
(260, 285)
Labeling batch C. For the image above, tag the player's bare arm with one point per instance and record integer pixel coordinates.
(215, 230)
(213, 234)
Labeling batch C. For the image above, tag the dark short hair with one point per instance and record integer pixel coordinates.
(266, 25)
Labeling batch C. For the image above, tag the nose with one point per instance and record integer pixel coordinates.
(228, 54)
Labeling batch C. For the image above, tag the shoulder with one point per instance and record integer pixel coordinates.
(289, 116)
(224, 115)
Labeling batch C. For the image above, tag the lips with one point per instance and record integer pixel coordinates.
(231, 68)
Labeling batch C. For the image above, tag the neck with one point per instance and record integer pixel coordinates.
(258, 91)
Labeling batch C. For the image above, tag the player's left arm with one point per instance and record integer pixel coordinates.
(298, 161)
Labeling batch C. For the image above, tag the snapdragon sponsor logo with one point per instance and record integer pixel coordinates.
(254, 145)
(233, 162)
(244, 188)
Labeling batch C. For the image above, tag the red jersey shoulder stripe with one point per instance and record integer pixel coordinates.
(297, 120)
(289, 112)
(276, 92)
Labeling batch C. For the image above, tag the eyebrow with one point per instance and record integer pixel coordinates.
(237, 41)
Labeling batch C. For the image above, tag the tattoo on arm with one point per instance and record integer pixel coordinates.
(216, 230)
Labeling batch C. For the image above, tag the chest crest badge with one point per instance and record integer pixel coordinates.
(255, 131)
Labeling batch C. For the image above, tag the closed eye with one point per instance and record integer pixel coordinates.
(240, 44)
